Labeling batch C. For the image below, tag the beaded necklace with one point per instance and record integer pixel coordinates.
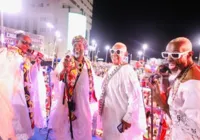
(178, 80)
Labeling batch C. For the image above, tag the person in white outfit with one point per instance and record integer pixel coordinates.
(121, 103)
(21, 108)
(183, 101)
(73, 81)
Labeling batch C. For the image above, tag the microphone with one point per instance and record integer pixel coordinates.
(154, 77)
(30, 51)
(164, 68)
(35, 54)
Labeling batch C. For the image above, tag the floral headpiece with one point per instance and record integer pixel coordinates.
(81, 39)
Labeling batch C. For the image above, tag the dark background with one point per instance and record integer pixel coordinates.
(135, 22)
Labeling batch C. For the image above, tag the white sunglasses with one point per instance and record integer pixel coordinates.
(116, 51)
(173, 55)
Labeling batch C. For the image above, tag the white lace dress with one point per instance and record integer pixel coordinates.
(185, 111)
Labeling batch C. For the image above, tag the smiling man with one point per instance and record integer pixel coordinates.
(121, 105)
(21, 89)
(73, 91)
(184, 96)
(184, 93)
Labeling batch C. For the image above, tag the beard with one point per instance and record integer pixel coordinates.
(173, 76)
(174, 65)
(78, 54)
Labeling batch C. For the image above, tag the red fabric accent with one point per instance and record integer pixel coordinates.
(163, 97)
(164, 130)
(93, 97)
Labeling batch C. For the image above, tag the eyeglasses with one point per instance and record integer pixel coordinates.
(117, 51)
(26, 43)
(173, 55)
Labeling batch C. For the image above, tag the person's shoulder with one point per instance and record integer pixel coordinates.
(127, 67)
(10, 48)
(87, 59)
(192, 86)
(3, 49)
(128, 70)
(13, 48)
(195, 72)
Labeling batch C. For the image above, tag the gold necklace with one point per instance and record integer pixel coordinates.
(177, 81)
(79, 66)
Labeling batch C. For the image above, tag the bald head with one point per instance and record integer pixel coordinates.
(24, 38)
(120, 46)
(118, 53)
(180, 44)
(179, 53)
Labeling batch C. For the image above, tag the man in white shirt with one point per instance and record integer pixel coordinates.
(22, 86)
(184, 94)
(121, 103)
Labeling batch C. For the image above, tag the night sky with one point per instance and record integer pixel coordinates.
(135, 22)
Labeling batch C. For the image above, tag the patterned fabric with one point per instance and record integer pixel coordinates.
(72, 76)
(48, 99)
(29, 102)
(187, 125)
(48, 90)
(91, 80)
(81, 39)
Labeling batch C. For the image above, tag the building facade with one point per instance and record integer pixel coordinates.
(10, 39)
(35, 14)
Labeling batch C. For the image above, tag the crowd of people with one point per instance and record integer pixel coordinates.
(101, 68)
(121, 94)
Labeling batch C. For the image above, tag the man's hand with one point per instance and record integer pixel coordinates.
(67, 63)
(61, 76)
(158, 98)
(125, 125)
(155, 86)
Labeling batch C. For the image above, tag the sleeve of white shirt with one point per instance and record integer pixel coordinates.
(191, 105)
(131, 87)
(57, 92)
(97, 83)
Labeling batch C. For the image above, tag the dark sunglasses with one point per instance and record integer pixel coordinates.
(26, 43)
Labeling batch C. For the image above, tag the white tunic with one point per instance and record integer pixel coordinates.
(12, 85)
(59, 113)
(123, 101)
(185, 111)
(38, 95)
(6, 91)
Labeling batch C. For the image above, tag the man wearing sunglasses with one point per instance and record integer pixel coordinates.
(184, 93)
(19, 82)
(23, 43)
(121, 105)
